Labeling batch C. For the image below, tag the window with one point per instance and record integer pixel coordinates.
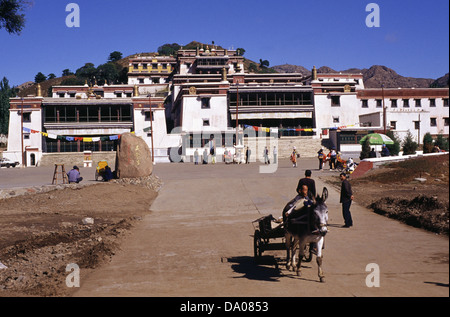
(418, 103)
(206, 103)
(147, 116)
(27, 117)
(393, 103)
(379, 103)
(144, 66)
(141, 80)
(417, 125)
(433, 122)
(206, 122)
(405, 103)
(365, 104)
(72, 95)
(118, 95)
(155, 66)
(335, 119)
(335, 101)
(26, 136)
(446, 122)
(61, 94)
(445, 100)
(136, 66)
(433, 102)
(393, 125)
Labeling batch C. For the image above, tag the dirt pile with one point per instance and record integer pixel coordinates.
(394, 191)
(421, 212)
(43, 233)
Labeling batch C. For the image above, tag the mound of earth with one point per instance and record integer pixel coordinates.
(43, 233)
(394, 191)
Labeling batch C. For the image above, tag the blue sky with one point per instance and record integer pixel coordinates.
(413, 37)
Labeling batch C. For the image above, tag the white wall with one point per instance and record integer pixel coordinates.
(193, 114)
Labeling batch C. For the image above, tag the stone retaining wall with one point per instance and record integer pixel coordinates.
(71, 159)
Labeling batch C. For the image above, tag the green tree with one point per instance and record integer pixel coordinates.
(39, 78)
(264, 63)
(87, 72)
(115, 56)
(252, 68)
(409, 145)
(51, 76)
(67, 72)
(442, 143)
(240, 51)
(427, 143)
(6, 92)
(394, 149)
(72, 81)
(365, 151)
(11, 18)
(108, 72)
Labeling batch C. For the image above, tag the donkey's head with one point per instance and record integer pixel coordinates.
(321, 212)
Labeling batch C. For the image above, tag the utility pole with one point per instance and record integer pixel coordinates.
(384, 108)
(21, 135)
(237, 112)
(151, 128)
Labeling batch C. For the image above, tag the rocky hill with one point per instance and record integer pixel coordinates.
(374, 76)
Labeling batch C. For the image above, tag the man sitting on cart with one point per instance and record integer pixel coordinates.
(293, 207)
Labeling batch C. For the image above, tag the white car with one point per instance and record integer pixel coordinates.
(5, 162)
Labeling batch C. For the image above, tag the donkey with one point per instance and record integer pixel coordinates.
(306, 223)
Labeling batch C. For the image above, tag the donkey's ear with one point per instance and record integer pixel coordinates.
(324, 194)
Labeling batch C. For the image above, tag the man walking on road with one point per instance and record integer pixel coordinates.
(346, 200)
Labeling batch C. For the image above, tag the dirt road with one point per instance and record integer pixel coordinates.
(197, 241)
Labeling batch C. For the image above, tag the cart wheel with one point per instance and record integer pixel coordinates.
(257, 242)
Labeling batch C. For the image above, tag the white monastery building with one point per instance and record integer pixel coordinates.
(194, 100)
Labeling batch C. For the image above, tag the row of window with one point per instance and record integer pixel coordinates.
(406, 103)
(393, 124)
(150, 66)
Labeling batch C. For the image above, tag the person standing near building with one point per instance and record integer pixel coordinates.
(205, 156)
(275, 153)
(266, 156)
(321, 158)
(346, 200)
(333, 156)
(196, 156)
(248, 152)
(294, 156)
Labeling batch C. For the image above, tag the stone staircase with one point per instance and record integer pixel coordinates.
(306, 146)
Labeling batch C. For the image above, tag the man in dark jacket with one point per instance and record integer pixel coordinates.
(308, 181)
(346, 200)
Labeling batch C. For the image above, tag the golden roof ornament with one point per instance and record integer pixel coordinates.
(38, 90)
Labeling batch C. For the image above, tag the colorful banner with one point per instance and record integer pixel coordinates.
(279, 129)
(74, 138)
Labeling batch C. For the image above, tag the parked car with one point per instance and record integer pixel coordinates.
(8, 163)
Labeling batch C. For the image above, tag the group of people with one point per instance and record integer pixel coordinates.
(229, 157)
(332, 157)
(384, 152)
(74, 175)
(306, 189)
